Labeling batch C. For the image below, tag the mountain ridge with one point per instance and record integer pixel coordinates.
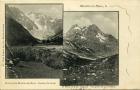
(90, 41)
(39, 25)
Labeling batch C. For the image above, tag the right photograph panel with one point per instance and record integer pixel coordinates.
(91, 48)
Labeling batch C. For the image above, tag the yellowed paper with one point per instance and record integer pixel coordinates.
(128, 40)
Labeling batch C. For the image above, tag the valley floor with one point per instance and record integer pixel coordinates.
(43, 62)
(34, 70)
(101, 72)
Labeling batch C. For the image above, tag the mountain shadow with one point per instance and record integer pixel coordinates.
(16, 34)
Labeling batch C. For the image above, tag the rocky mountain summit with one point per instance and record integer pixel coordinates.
(90, 41)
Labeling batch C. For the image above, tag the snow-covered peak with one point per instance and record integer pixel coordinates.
(43, 23)
(38, 19)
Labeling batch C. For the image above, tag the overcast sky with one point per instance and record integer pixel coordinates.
(106, 21)
(55, 11)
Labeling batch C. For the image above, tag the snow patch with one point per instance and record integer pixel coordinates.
(77, 28)
(38, 25)
(82, 37)
(101, 40)
(22, 14)
(52, 20)
(101, 37)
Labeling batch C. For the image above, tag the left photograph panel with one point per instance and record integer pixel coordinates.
(33, 40)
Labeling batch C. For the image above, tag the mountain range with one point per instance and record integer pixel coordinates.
(38, 26)
(90, 41)
(33, 27)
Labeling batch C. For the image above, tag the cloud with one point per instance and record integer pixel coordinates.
(54, 11)
(83, 21)
(106, 21)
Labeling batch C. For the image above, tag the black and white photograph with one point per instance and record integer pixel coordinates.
(69, 44)
(33, 40)
(91, 48)
(77, 47)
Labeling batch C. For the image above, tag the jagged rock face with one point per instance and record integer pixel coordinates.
(47, 26)
(90, 41)
(20, 17)
(39, 25)
(16, 34)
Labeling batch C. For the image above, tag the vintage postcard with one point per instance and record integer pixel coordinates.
(69, 45)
